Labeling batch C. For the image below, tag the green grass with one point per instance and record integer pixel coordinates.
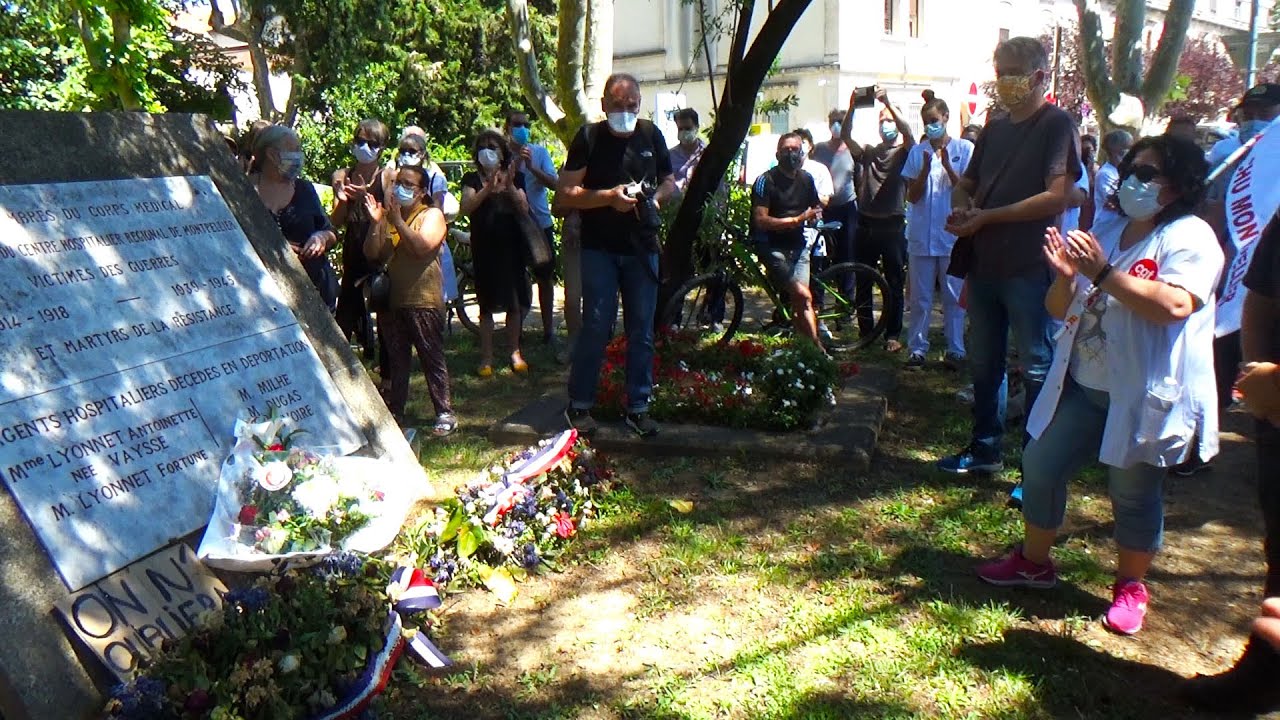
(824, 595)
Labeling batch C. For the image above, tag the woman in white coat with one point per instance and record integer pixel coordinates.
(1132, 379)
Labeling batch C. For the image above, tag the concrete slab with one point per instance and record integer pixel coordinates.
(849, 434)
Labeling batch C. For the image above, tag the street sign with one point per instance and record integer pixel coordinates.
(973, 98)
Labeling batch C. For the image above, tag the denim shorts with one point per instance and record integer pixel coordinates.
(785, 267)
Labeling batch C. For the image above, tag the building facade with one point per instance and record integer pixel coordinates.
(905, 46)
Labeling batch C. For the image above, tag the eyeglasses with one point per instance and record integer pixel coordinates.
(1144, 173)
(407, 186)
(525, 124)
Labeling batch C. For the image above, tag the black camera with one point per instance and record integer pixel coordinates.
(865, 97)
(646, 210)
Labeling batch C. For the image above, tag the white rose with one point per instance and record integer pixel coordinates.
(289, 663)
(273, 476)
(317, 495)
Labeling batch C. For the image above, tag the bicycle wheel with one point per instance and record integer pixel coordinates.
(855, 311)
(465, 305)
(709, 304)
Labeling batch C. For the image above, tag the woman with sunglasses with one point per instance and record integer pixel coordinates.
(1132, 378)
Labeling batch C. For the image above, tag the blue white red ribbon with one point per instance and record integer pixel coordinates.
(547, 457)
(412, 592)
(375, 676)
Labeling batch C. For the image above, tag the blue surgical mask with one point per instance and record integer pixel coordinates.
(836, 127)
(935, 130)
(364, 152)
(404, 194)
(888, 131)
(290, 163)
(1249, 128)
(1139, 200)
(623, 123)
(520, 134)
(414, 159)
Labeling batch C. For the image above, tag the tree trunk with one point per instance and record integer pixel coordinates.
(571, 44)
(744, 76)
(597, 57)
(1164, 62)
(1126, 45)
(247, 28)
(1103, 94)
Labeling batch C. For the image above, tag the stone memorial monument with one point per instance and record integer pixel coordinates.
(147, 300)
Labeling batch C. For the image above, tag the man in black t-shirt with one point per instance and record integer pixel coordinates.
(782, 201)
(1251, 685)
(617, 173)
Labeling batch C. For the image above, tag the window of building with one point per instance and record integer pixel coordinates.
(1213, 7)
(889, 7)
(1242, 9)
(1004, 34)
(779, 119)
(914, 20)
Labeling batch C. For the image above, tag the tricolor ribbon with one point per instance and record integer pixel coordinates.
(547, 457)
(411, 592)
(375, 676)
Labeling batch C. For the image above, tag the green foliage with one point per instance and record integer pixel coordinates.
(449, 68)
(71, 56)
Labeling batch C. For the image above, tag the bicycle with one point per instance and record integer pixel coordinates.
(465, 306)
(714, 302)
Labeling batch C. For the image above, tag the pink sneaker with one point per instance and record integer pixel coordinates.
(1014, 570)
(1128, 607)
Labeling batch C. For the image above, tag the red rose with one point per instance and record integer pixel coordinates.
(248, 514)
(275, 448)
(564, 524)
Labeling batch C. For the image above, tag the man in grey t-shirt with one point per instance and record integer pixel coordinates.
(1022, 169)
(843, 206)
(882, 203)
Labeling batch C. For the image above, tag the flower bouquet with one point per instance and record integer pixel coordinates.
(314, 644)
(513, 519)
(277, 500)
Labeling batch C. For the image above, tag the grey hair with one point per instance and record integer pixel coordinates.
(1116, 137)
(415, 131)
(619, 77)
(272, 137)
(1026, 49)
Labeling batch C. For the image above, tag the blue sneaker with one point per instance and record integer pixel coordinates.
(1015, 497)
(969, 461)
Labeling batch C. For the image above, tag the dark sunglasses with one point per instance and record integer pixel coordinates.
(1144, 173)
(371, 143)
(525, 124)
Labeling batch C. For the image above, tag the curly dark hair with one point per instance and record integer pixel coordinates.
(1182, 162)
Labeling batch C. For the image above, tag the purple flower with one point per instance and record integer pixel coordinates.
(252, 599)
(562, 500)
(516, 529)
(531, 557)
(340, 564)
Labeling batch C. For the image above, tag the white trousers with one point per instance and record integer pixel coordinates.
(924, 273)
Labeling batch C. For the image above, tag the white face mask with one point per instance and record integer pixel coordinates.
(1139, 200)
(290, 163)
(488, 158)
(688, 137)
(623, 122)
(405, 158)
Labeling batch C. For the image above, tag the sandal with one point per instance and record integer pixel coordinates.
(893, 346)
(485, 371)
(446, 423)
(518, 364)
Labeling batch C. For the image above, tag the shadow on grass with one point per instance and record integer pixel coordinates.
(1074, 680)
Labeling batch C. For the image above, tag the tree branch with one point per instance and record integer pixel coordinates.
(1164, 62)
(1126, 46)
(570, 45)
(531, 84)
(1102, 92)
(597, 57)
(706, 48)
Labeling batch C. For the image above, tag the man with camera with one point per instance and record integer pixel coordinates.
(783, 201)
(617, 173)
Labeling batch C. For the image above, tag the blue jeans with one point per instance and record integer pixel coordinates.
(603, 275)
(997, 306)
(1070, 443)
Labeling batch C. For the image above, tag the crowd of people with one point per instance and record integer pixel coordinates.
(1099, 262)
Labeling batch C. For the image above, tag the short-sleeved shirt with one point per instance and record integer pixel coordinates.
(534, 190)
(1040, 147)
(680, 164)
(1105, 185)
(784, 197)
(882, 192)
(1263, 276)
(1071, 216)
(839, 163)
(927, 219)
(610, 161)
